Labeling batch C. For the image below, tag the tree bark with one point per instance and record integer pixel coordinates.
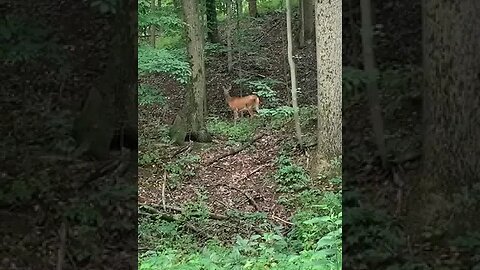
(329, 81)
(451, 113)
(238, 10)
(190, 122)
(293, 76)
(252, 8)
(372, 87)
(110, 111)
(212, 23)
(308, 12)
(229, 35)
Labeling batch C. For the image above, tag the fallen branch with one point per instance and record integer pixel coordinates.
(255, 170)
(250, 199)
(282, 220)
(153, 206)
(61, 249)
(163, 189)
(171, 218)
(181, 150)
(235, 150)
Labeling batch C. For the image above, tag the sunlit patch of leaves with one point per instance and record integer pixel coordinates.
(242, 131)
(171, 62)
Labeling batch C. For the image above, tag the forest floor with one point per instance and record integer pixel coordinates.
(243, 181)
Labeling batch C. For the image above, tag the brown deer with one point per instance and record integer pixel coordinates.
(241, 104)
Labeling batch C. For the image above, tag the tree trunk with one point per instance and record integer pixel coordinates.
(238, 9)
(293, 75)
(252, 8)
(110, 112)
(329, 80)
(190, 122)
(229, 36)
(354, 57)
(372, 87)
(152, 27)
(308, 19)
(212, 24)
(451, 111)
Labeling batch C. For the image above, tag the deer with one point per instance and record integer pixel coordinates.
(241, 104)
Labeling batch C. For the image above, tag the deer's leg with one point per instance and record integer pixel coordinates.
(250, 111)
(235, 116)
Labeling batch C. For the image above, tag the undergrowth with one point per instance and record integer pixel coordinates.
(242, 131)
(314, 242)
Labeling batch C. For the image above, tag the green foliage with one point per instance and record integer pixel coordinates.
(182, 168)
(17, 191)
(263, 89)
(165, 18)
(353, 80)
(149, 157)
(314, 243)
(373, 234)
(289, 176)
(213, 48)
(22, 40)
(320, 223)
(256, 253)
(172, 62)
(277, 117)
(470, 242)
(148, 95)
(242, 131)
(105, 6)
(158, 234)
(265, 6)
(401, 78)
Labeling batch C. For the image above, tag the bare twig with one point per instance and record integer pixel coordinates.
(153, 206)
(62, 246)
(264, 33)
(235, 150)
(255, 170)
(408, 157)
(250, 199)
(181, 150)
(163, 190)
(282, 220)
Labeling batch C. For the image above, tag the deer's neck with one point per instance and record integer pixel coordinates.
(227, 96)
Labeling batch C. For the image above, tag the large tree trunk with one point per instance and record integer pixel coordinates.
(451, 113)
(252, 8)
(329, 80)
(372, 87)
(109, 116)
(190, 122)
(212, 24)
(308, 14)
(293, 75)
